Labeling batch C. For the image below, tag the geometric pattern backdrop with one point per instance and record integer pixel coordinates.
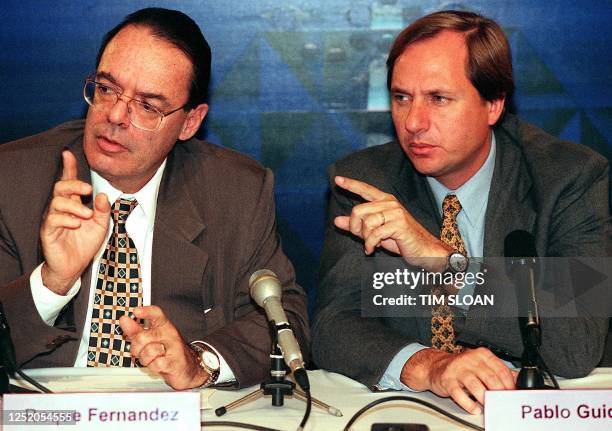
(299, 84)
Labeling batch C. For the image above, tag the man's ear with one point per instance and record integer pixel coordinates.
(193, 121)
(496, 109)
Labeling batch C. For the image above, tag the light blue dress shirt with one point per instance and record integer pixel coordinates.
(473, 196)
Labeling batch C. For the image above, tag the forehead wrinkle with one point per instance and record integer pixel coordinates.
(133, 47)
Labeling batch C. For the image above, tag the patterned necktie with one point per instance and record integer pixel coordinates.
(118, 291)
(442, 329)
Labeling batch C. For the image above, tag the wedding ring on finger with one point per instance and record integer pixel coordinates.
(382, 214)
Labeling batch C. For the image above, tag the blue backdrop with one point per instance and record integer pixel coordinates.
(299, 84)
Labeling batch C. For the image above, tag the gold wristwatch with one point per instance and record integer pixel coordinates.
(208, 360)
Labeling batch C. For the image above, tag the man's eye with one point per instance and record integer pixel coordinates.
(401, 98)
(104, 89)
(439, 100)
(147, 107)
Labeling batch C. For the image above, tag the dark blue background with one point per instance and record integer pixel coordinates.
(297, 84)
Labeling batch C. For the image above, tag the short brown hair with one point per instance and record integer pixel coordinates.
(489, 63)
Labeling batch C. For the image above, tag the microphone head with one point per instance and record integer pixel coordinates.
(520, 243)
(519, 246)
(264, 284)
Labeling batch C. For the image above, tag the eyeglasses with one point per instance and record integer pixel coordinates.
(142, 115)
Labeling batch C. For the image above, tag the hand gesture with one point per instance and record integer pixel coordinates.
(383, 222)
(162, 350)
(71, 233)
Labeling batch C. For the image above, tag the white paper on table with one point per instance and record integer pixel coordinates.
(100, 379)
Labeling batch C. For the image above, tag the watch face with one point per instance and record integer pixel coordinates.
(458, 262)
(210, 359)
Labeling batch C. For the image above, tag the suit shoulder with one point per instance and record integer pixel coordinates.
(549, 155)
(220, 159)
(57, 137)
(35, 158)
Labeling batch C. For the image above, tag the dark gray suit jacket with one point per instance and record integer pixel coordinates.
(214, 226)
(556, 190)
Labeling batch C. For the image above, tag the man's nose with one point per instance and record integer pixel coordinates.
(417, 118)
(119, 112)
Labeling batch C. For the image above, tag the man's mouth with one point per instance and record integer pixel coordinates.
(421, 149)
(108, 145)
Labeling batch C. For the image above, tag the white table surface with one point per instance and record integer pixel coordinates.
(331, 388)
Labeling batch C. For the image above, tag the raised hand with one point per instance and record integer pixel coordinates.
(71, 233)
(384, 222)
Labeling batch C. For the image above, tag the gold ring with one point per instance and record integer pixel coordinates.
(382, 214)
(163, 348)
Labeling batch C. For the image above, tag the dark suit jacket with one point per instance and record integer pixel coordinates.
(214, 226)
(556, 190)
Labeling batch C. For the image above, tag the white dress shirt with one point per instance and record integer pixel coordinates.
(139, 226)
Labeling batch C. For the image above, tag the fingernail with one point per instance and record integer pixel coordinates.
(339, 180)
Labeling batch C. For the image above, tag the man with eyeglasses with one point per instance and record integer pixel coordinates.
(124, 241)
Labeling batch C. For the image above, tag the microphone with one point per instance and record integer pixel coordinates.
(8, 361)
(7, 349)
(265, 289)
(522, 268)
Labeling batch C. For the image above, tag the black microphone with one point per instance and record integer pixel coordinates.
(522, 268)
(7, 349)
(266, 291)
(8, 361)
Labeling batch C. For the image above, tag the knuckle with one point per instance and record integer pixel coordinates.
(57, 187)
(482, 354)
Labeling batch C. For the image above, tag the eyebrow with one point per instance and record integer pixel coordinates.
(431, 91)
(139, 95)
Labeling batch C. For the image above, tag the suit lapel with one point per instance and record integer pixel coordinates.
(413, 192)
(509, 207)
(177, 263)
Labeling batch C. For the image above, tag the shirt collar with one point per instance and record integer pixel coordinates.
(474, 192)
(146, 196)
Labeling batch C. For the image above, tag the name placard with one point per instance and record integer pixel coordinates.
(147, 411)
(544, 410)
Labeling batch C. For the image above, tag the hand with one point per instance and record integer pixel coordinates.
(458, 375)
(162, 350)
(71, 233)
(384, 222)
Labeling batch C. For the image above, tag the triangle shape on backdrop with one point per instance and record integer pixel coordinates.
(301, 54)
(531, 74)
(242, 79)
(283, 89)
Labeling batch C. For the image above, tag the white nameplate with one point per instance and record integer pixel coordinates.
(544, 410)
(147, 411)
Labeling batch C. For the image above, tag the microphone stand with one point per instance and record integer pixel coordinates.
(277, 386)
(531, 376)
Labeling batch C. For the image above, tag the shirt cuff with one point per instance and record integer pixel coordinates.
(391, 377)
(226, 374)
(48, 303)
